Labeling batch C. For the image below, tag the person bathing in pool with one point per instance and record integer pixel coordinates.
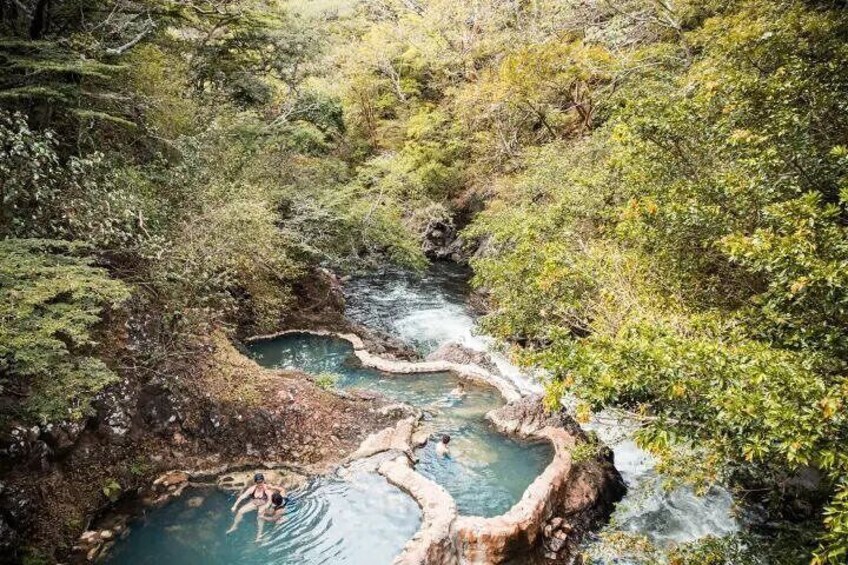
(442, 449)
(274, 513)
(259, 496)
(458, 392)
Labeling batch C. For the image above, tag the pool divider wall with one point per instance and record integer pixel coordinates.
(578, 496)
(470, 372)
(434, 542)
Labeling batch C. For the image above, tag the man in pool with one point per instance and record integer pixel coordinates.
(274, 513)
(259, 496)
(442, 447)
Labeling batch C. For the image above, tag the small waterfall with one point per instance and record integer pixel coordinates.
(426, 310)
(429, 309)
(663, 516)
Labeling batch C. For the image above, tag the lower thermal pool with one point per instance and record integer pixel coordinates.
(486, 473)
(356, 518)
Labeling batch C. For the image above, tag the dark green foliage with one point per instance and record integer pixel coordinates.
(53, 80)
(47, 196)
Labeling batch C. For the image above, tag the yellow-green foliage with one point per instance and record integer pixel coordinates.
(232, 184)
(327, 381)
(159, 79)
(52, 299)
(687, 259)
(665, 188)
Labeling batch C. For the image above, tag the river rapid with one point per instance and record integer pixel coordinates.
(430, 309)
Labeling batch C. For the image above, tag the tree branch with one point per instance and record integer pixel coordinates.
(151, 25)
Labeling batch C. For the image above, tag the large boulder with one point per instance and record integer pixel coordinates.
(528, 416)
(441, 241)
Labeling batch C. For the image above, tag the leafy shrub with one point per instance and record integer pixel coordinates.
(327, 381)
(112, 489)
(52, 300)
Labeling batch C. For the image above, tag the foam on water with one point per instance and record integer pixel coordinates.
(664, 516)
(426, 310)
(429, 309)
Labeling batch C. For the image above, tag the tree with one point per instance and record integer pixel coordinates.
(52, 302)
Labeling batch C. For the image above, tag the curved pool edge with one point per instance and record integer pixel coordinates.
(445, 537)
(471, 372)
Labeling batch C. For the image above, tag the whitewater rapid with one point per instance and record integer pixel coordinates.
(426, 310)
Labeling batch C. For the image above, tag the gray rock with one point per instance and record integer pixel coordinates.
(456, 353)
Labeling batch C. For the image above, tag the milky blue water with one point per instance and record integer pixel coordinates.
(353, 517)
(368, 521)
(486, 472)
(356, 519)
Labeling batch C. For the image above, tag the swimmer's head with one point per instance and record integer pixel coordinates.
(445, 439)
(258, 478)
(277, 499)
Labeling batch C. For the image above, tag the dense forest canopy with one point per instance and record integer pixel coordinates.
(656, 190)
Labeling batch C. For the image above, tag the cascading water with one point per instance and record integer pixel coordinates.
(430, 309)
(426, 310)
(663, 516)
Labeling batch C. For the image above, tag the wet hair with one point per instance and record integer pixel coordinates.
(445, 439)
(258, 477)
(277, 499)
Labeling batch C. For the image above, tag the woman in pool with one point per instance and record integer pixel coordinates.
(458, 392)
(259, 495)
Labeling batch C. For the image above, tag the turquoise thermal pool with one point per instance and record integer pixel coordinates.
(487, 472)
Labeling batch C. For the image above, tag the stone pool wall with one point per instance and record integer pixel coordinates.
(571, 495)
(471, 372)
(561, 504)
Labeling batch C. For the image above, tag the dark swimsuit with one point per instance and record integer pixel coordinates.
(275, 508)
(263, 498)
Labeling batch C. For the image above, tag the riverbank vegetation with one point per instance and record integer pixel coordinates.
(657, 193)
(181, 151)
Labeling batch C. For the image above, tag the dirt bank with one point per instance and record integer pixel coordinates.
(228, 410)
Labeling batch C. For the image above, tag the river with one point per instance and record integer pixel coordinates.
(355, 516)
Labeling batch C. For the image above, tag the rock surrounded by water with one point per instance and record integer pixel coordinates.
(462, 355)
